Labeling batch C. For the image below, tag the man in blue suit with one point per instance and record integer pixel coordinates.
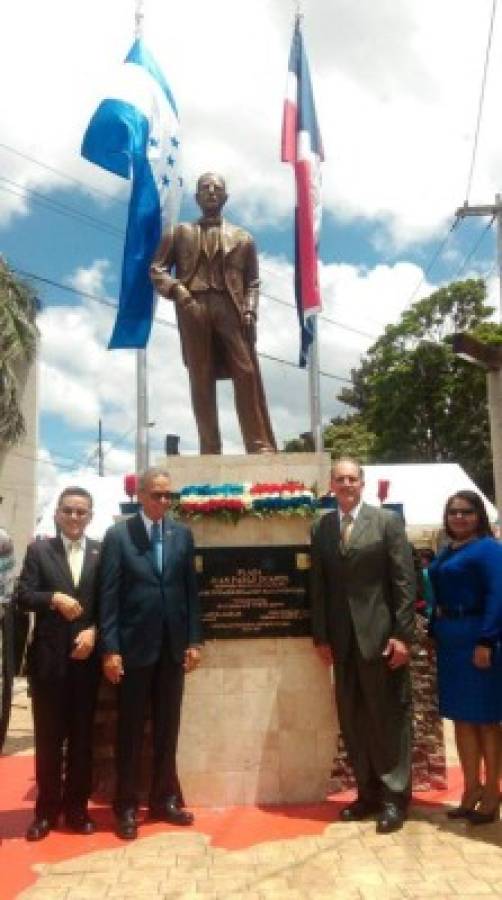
(150, 634)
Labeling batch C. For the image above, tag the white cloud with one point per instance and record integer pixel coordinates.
(397, 98)
(81, 381)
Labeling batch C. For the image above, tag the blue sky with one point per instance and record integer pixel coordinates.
(397, 98)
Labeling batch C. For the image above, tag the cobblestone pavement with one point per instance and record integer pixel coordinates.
(430, 857)
(427, 859)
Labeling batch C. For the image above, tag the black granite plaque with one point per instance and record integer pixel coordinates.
(254, 591)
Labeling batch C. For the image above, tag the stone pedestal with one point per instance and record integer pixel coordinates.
(258, 722)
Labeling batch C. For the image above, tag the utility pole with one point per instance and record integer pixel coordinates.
(481, 353)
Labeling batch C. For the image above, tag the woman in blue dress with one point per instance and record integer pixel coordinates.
(466, 624)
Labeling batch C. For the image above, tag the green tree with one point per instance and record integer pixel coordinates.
(18, 337)
(349, 437)
(423, 403)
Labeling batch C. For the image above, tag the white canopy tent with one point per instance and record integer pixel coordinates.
(422, 489)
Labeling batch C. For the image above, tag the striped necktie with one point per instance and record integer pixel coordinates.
(346, 526)
(156, 542)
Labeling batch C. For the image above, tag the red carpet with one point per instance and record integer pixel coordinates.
(232, 828)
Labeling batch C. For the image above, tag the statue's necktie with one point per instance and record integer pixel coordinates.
(156, 541)
(346, 527)
(75, 558)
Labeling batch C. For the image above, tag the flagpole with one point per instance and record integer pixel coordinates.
(142, 441)
(315, 390)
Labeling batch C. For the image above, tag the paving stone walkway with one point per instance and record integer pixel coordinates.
(430, 857)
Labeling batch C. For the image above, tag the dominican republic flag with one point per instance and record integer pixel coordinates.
(134, 133)
(302, 147)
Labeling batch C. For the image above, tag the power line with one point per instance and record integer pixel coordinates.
(55, 206)
(435, 256)
(97, 299)
(473, 249)
(480, 104)
(64, 175)
(321, 316)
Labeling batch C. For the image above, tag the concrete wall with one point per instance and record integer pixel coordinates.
(18, 470)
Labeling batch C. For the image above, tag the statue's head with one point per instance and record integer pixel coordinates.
(211, 193)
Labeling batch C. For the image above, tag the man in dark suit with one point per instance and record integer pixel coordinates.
(363, 592)
(150, 634)
(57, 583)
(216, 290)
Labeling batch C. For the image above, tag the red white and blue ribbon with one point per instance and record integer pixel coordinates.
(302, 147)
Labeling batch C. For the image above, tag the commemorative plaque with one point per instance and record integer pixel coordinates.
(254, 591)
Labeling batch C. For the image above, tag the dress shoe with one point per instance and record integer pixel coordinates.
(126, 826)
(80, 822)
(467, 805)
(39, 829)
(171, 812)
(359, 810)
(477, 817)
(391, 818)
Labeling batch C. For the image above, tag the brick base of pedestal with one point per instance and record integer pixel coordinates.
(428, 759)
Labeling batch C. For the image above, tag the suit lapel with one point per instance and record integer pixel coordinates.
(88, 564)
(228, 237)
(169, 538)
(141, 541)
(58, 554)
(360, 526)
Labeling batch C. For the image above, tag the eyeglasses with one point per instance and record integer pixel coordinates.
(160, 495)
(466, 511)
(73, 511)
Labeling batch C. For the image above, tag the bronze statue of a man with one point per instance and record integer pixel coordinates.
(215, 289)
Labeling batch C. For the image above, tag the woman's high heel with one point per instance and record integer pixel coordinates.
(476, 817)
(465, 812)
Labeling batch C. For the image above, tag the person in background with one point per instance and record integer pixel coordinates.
(6, 629)
(466, 624)
(150, 636)
(58, 583)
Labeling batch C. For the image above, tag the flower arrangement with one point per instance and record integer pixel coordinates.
(234, 500)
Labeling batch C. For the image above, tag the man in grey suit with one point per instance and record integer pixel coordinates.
(363, 592)
(150, 632)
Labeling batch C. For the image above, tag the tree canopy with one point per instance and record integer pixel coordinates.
(420, 401)
(18, 337)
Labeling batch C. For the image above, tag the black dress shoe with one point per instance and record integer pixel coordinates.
(460, 812)
(171, 812)
(39, 829)
(391, 818)
(476, 817)
(359, 810)
(126, 826)
(80, 822)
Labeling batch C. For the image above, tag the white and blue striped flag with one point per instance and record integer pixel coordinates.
(134, 133)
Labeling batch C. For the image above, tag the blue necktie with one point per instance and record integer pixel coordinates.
(156, 541)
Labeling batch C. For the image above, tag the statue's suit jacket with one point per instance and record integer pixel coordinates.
(137, 605)
(46, 571)
(368, 590)
(180, 249)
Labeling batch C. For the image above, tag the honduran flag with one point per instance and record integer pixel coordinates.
(134, 133)
(302, 147)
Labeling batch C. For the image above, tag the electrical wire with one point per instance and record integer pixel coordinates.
(480, 103)
(64, 209)
(81, 184)
(97, 299)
